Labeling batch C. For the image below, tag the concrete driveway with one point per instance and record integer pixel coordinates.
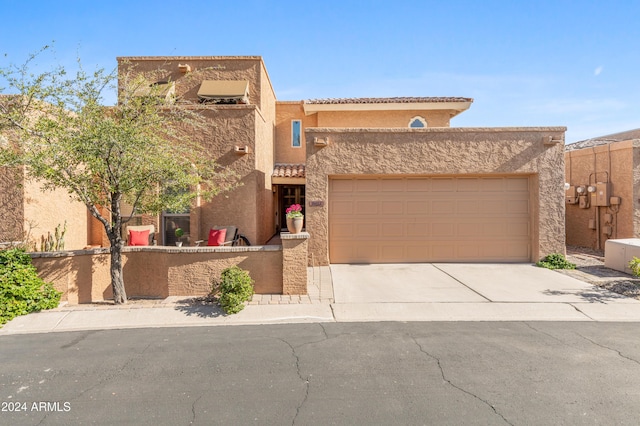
(459, 291)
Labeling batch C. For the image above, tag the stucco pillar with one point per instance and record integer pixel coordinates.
(294, 262)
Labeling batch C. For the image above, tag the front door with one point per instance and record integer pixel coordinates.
(289, 194)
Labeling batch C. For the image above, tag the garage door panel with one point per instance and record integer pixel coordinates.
(443, 185)
(518, 184)
(418, 185)
(365, 208)
(442, 206)
(518, 207)
(429, 219)
(417, 207)
(392, 185)
(367, 185)
(392, 207)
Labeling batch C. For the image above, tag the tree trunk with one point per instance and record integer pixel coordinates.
(115, 237)
(117, 281)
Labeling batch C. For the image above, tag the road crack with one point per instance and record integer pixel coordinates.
(449, 382)
(193, 410)
(609, 349)
(305, 380)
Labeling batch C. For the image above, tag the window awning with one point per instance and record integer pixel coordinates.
(224, 90)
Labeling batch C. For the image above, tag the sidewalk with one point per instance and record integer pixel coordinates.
(583, 302)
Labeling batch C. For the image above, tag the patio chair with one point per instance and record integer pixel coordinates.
(135, 239)
(231, 238)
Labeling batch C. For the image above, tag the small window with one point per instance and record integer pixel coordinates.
(296, 133)
(418, 123)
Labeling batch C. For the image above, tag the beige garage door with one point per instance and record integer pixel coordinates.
(429, 219)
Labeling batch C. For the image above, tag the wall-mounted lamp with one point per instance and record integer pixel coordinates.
(184, 68)
(241, 150)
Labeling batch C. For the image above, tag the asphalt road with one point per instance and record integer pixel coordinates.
(334, 373)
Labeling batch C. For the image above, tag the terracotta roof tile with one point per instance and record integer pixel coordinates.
(398, 100)
(289, 170)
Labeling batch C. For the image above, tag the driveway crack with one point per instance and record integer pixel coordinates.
(444, 377)
(578, 309)
(463, 284)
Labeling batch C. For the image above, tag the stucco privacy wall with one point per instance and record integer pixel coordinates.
(441, 151)
(49, 209)
(26, 208)
(157, 272)
(619, 164)
(11, 204)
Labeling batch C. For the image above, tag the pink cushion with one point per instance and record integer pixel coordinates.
(138, 238)
(216, 237)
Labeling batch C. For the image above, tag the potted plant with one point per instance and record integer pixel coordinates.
(295, 218)
(179, 233)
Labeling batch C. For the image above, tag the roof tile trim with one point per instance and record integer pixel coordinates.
(289, 170)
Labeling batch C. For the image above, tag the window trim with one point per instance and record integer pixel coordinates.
(420, 119)
(293, 135)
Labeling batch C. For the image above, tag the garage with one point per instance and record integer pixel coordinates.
(387, 219)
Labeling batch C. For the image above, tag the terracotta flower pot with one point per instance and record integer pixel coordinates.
(294, 224)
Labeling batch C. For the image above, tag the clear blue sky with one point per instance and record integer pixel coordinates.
(526, 63)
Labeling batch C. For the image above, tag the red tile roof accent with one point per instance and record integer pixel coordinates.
(289, 170)
(400, 100)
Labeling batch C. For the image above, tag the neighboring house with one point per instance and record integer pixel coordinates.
(380, 179)
(603, 200)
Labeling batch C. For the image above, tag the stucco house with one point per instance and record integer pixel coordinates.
(380, 179)
(603, 197)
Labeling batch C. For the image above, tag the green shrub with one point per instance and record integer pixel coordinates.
(634, 264)
(555, 261)
(21, 290)
(235, 287)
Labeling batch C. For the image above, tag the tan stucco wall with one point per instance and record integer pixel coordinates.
(234, 125)
(250, 206)
(294, 259)
(287, 112)
(48, 209)
(248, 68)
(441, 151)
(265, 120)
(11, 204)
(158, 272)
(616, 162)
(351, 119)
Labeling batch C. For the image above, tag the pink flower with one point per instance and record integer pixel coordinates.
(295, 210)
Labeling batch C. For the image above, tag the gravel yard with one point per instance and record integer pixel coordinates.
(590, 268)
